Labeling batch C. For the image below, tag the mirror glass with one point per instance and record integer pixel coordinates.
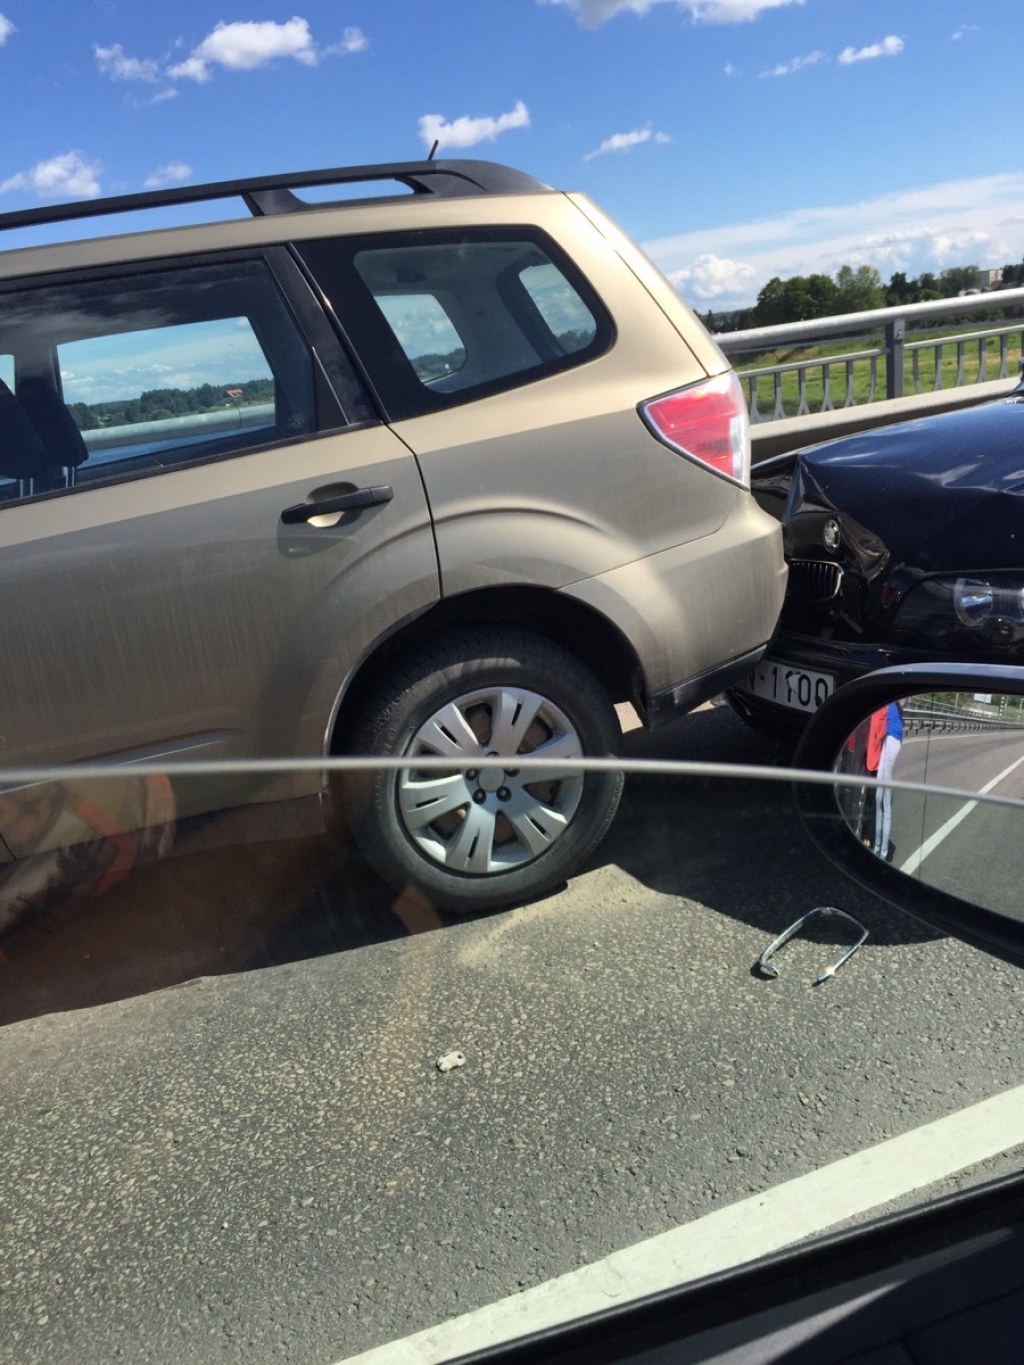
(968, 844)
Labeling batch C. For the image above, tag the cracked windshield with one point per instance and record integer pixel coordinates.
(512, 726)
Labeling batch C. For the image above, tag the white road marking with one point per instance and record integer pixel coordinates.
(732, 1236)
(944, 831)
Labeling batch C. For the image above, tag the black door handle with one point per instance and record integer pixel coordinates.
(343, 502)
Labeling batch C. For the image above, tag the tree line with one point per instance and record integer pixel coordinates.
(155, 405)
(850, 290)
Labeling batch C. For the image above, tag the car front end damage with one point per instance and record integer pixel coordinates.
(905, 545)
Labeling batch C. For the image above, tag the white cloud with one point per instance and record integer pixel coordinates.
(796, 64)
(114, 62)
(927, 248)
(467, 132)
(68, 176)
(240, 46)
(962, 31)
(593, 13)
(352, 40)
(729, 69)
(246, 45)
(171, 174)
(6, 29)
(734, 11)
(888, 47)
(163, 96)
(926, 228)
(625, 142)
(713, 277)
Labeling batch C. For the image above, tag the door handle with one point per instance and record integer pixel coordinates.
(342, 502)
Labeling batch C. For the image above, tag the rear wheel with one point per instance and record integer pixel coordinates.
(477, 837)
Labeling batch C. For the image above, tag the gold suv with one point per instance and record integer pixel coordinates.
(444, 472)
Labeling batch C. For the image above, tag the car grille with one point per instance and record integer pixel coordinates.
(814, 580)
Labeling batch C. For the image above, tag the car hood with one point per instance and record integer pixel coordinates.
(935, 494)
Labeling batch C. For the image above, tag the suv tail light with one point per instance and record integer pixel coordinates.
(708, 422)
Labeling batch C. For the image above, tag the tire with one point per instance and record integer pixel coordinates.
(475, 841)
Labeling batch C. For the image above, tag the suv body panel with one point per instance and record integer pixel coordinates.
(702, 345)
(546, 462)
(197, 623)
(554, 213)
(696, 606)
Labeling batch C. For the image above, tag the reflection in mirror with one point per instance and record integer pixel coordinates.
(973, 742)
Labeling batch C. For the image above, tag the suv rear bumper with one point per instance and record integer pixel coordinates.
(674, 701)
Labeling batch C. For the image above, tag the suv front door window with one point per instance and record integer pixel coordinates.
(133, 374)
(158, 393)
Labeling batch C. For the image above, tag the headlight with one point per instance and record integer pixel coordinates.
(962, 613)
(973, 600)
(979, 599)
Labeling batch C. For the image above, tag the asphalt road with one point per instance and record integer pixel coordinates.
(963, 847)
(973, 761)
(268, 1165)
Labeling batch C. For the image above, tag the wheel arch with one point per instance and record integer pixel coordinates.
(564, 621)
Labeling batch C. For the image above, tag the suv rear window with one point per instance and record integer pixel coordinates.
(440, 318)
(425, 333)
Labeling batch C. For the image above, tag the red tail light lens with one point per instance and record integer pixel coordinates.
(708, 422)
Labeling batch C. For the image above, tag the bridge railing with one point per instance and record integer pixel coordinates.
(811, 396)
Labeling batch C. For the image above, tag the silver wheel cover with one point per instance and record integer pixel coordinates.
(496, 819)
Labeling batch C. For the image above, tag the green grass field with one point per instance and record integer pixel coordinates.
(839, 377)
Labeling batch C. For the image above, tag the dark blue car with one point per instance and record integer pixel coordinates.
(905, 544)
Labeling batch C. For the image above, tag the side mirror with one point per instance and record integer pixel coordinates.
(928, 809)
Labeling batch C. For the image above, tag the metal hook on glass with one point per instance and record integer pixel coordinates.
(769, 968)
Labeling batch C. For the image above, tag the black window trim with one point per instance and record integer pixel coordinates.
(337, 328)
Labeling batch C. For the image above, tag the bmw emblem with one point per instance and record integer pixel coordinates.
(830, 534)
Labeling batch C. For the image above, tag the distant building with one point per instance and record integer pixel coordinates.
(990, 279)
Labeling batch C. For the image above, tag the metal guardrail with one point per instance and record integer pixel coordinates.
(893, 353)
(947, 719)
(100, 439)
(948, 725)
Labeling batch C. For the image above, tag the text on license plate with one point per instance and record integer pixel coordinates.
(787, 685)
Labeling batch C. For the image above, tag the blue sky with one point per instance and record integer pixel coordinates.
(735, 139)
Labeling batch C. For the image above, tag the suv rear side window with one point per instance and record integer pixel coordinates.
(130, 375)
(440, 318)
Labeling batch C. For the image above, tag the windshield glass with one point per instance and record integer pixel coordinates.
(445, 481)
(254, 1087)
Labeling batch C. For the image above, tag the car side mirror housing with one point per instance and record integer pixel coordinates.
(924, 800)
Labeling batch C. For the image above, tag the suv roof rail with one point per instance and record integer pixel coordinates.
(272, 194)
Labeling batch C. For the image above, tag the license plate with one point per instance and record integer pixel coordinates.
(787, 685)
